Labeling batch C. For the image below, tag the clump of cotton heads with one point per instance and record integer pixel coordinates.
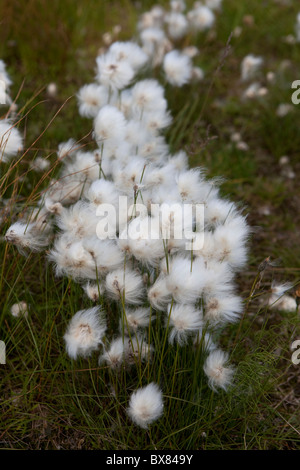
(148, 239)
(152, 253)
(163, 30)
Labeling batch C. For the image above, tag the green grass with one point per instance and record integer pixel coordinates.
(50, 402)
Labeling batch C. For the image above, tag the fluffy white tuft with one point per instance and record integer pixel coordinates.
(91, 98)
(85, 332)
(218, 373)
(11, 141)
(184, 320)
(125, 284)
(19, 309)
(177, 68)
(112, 72)
(146, 405)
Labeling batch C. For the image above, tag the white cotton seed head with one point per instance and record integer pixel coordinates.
(152, 18)
(217, 210)
(146, 405)
(126, 350)
(109, 124)
(190, 51)
(103, 192)
(154, 150)
(189, 290)
(159, 178)
(214, 4)
(160, 192)
(27, 236)
(184, 320)
(254, 90)
(201, 18)
(83, 168)
(177, 5)
(297, 27)
(124, 104)
(179, 161)
(11, 141)
(91, 98)
(152, 39)
(144, 240)
(66, 191)
(135, 319)
(191, 186)
(207, 251)
(85, 332)
(136, 135)
(129, 52)
(78, 220)
(155, 121)
(177, 25)
(19, 309)
(52, 90)
(127, 285)
(4, 76)
(130, 176)
(218, 373)
(217, 278)
(250, 65)
(105, 253)
(280, 289)
(285, 303)
(53, 207)
(197, 74)
(114, 73)
(223, 309)
(173, 220)
(148, 95)
(159, 295)
(71, 258)
(40, 164)
(94, 290)
(67, 149)
(177, 68)
(114, 355)
(230, 241)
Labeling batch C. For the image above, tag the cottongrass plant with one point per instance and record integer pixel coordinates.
(158, 291)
